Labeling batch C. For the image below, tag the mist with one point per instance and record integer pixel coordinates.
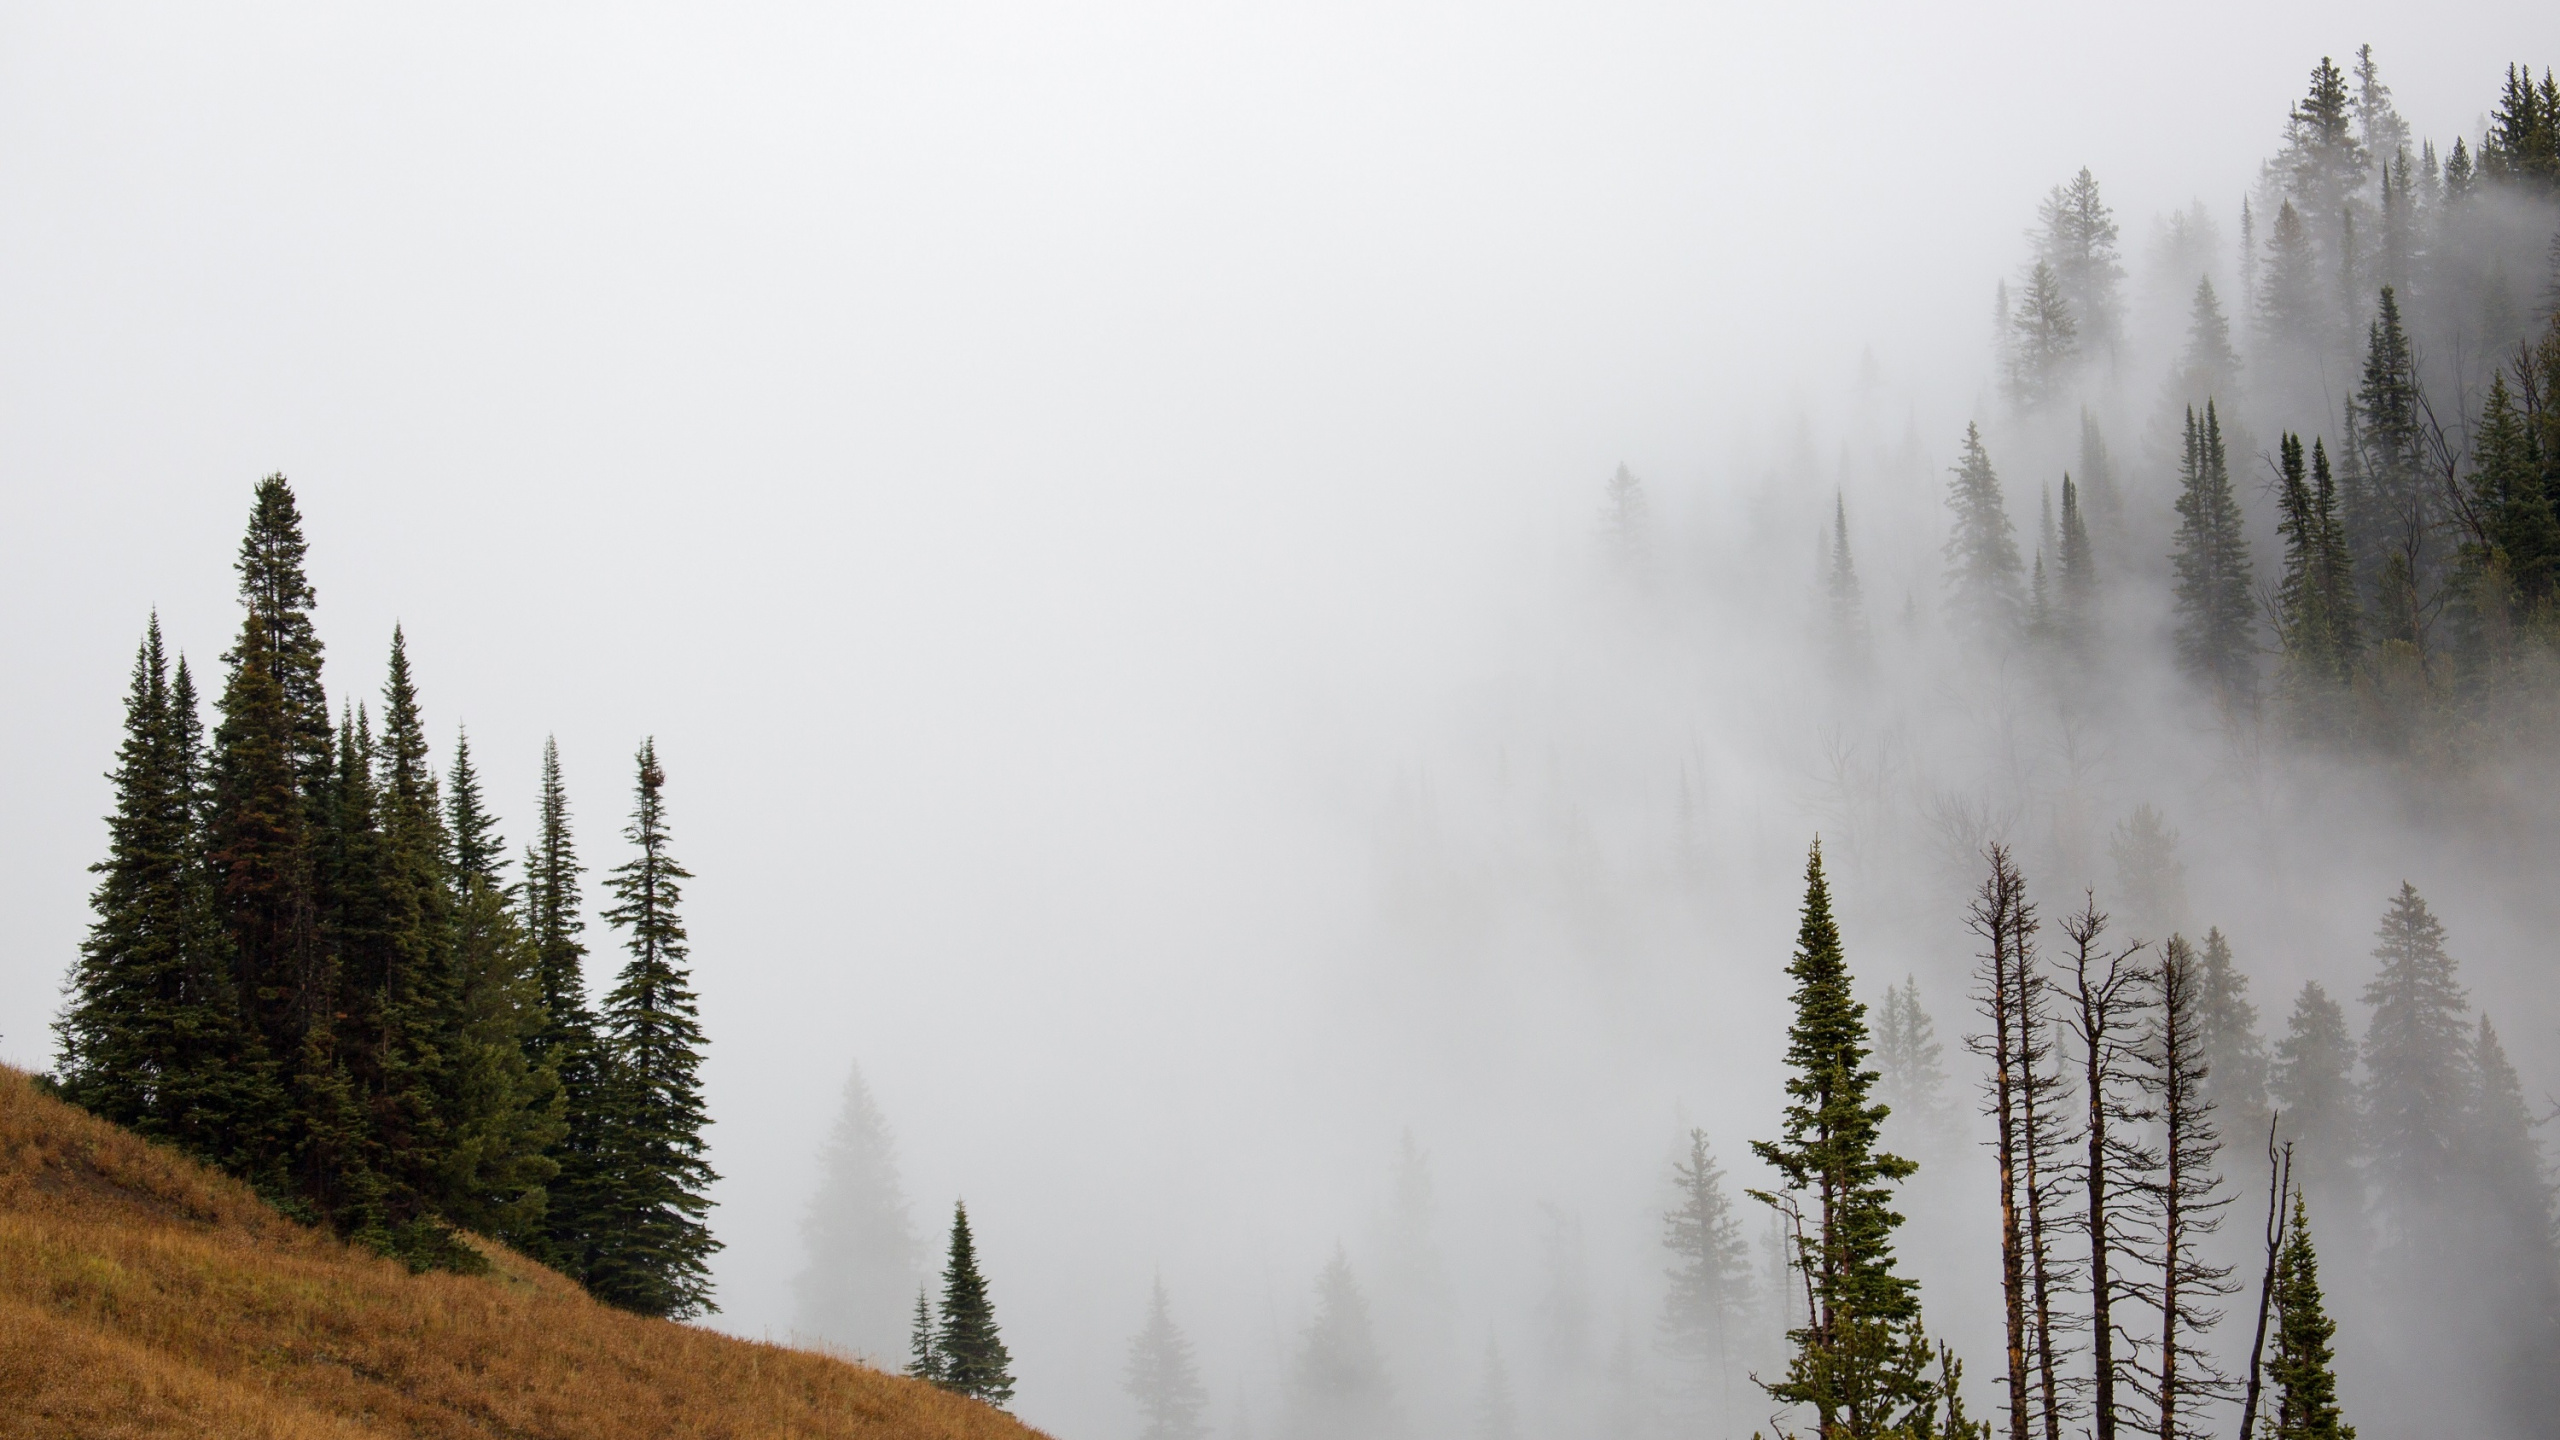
(1105, 514)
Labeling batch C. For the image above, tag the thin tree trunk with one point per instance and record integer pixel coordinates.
(2037, 1201)
(1993, 917)
(2279, 1180)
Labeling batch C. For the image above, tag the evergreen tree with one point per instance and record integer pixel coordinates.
(1983, 569)
(2045, 340)
(924, 1361)
(2316, 619)
(2514, 542)
(2227, 1040)
(151, 1035)
(2522, 146)
(2076, 599)
(2208, 369)
(2215, 613)
(478, 853)
(647, 1241)
(1909, 1056)
(1626, 527)
(2098, 479)
(1848, 614)
(2389, 511)
(2148, 872)
(275, 589)
(1861, 1361)
(1497, 1413)
(967, 1349)
(2322, 167)
(1162, 1377)
(2336, 569)
(2313, 1082)
(1339, 1388)
(861, 1248)
(2510, 1324)
(2417, 1068)
(2379, 128)
(1709, 1299)
(2288, 292)
(566, 1042)
(2302, 1373)
(2077, 240)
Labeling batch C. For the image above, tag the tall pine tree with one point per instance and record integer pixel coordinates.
(566, 1042)
(2216, 644)
(1984, 574)
(1163, 1378)
(2302, 1371)
(969, 1352)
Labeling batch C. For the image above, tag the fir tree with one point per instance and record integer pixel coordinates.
(861, 1248)
(2078, 241)
(1162, 1377)
(648, 1242)
(924, 1362)
(275, 589)
(478, 853)
(2389, 511)
(2511, 1267)
(1709, 1299)
(2315, 600)
(2227, 1040)
(1909, 1057)
(2076, 598)
(1861, 1361)
(2148, 872)
(2416, 1064)
(566, 1043)
(2098, 479)
(2313, 1083)
(504, 1110)
(2215, 612)
(2045, 340)
(2288, 292)
(968, 1352)
(2379, 128)
(1983, 569)
(2208, 369)
(1338, 1387)
(2515, 539)
(1848, 615)
(2302, 1373)
(151, 1035)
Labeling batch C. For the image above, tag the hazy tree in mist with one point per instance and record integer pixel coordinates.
(1845, 603)
(1626, 527)
(1984, 573)
(2182, 1201)
(2098, 479)
(2103, 1005)
(1338, 1387)
(2022, 1094)
(2148, 872)
(2313, 1083)
(2075, 604)
(2227, 1039)
(2390, 508)
(1909, 1056)
(2044, 342)
(1162, 1377)
(2379, 129)
(1497, 1410)
(2302, 1371)
(1708, 1302)
(2076, 237)
(2321, 166)
(2209, 368)
(2216, 616)
(2317, 619)
(969, 1355)
(1862, 1361)
(2289, 311)
(2512, 1301)
(1564, 1318)
(862, 1258)
(2417, 1069)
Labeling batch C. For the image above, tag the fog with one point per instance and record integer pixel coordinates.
(1101, 511)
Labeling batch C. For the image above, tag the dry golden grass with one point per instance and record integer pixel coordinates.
(142, 1295)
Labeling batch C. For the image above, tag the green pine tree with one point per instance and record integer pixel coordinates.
(2390, 509)
(1861, 1361)
(924, 1362)
(647, 1242)
(2216, 617)
(2234, 1054)
(1709, 1298)
(968, 1351)
(566, 1042)
(2076, 586)
(478, 853)
(2302, 1372)
(2515, 540)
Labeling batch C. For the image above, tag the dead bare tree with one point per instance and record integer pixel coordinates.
(2279, 1181)
(2185, 1200)
(2102, 1015)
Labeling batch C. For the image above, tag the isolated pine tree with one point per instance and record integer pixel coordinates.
(2302, 1372)
(1861, 1361)
(2216, 615)
(275, 588)
(1984, 574)
(862, 1255)
(647, 1237)
(1338, 1386)
(1162, 1377)
(967, 1349)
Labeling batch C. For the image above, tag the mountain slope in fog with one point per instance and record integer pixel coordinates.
(142, 1294)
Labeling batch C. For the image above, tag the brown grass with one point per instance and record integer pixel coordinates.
(142, 1295)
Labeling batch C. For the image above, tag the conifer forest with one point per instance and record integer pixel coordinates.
(1447, 761)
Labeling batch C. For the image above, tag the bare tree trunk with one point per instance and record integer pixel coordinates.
(2279, 1180)
(1997, 915)
(2098, 1016)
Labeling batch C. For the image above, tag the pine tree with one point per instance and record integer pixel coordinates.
(2076, 587)
(924, 1362)
(2389, 511)
(478, 853)
(2417, 1067)
(2045, 342)
(275, 589)
(2322, 166)
(2182, 1201)
(2098, 479)
(2302, 1372)
(151, 1035)
(1162, 1377)
(1848, 614)
(2148, 872)
(2208, 369)
(1338, 1387)
(1909, 1057)
(2336, 570)
(1709, 1299)
(2379, 128)
(1497, 1412)
(2313, 1082)
(2215, 612)
(1861, 1360)
(861, 1248)
(2227, 1040)
(648, 1242)
(2514, 540)
(1626, 527)
(2510, 1318)
(567, 1042)
(2288, 292)
(2078, 240)
(2315, 599)
(967, 1348)
(1983, 569)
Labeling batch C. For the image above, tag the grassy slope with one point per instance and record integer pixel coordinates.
(142, 1295)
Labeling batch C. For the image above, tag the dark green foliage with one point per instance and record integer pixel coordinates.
(2523, 143)
(924, 1362)
(275, 589)
(151, 1036)
(1163, 1378)
(2302, 1372)
(566, 1042)
(2389, 508)
(505, 1110)
(1983, 568)
(2208, 369)
(478, 853)
(2514, 540)
(968, 1356)
(2216, 617)
(646, 1243)
(2316, 612)
(1861, 1361)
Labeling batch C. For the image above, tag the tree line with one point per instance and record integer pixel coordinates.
(310, 967)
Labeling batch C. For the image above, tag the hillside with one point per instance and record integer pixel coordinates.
(141, 1294)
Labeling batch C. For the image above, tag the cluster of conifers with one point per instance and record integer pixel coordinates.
(310, 967)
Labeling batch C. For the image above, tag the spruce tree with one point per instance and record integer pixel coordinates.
(2390, 510)
(1847, 606)
(968, 1353)
(646, 1239)
(1984, 573)
(2098, 479)
(2077, 239)
(2417, 1067)
(923, 1361)
(1338, 1387)
(275, 588)
(2302, 1371)
(2227, 1040)
(862, 1254)
(2336, 570)
(2216, 616)
(2508, 1316)
(151, 1035)
(1162, 1377)
(1910, 1058)
(566, 1042)
(1709, 1295)
(2313, 1084)
(2515, 539)
(2209, 368)
(2288, 290)
(2316, 622)
(478, 852)
(2076, 586)
(2045, 340)
(1861, 1361)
